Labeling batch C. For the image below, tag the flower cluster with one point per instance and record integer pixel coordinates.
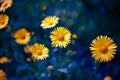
(60, 37)
(4, 20)
(36, 48)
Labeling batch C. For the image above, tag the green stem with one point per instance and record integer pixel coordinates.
(60, 63)
(95, 67)
(60, 53)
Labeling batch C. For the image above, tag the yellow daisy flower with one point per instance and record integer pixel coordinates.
(49, 22)
(22, 36)
(60, 37)
(3, 75)
(39, 51)
(6, 4)
(103, 49)
(3, 21)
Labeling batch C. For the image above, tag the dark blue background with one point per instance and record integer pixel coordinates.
(87, 18)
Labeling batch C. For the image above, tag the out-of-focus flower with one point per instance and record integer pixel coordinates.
(50, 67)
(107, 78)
(22, 36)
(103, 49)
(3, 21)
(74, 36)
(27, 49)
(2, 75)
(60, 37)
(3, 60)
(49, 22)
(39, 51)
(28, 59)
(32, 33)
(44, 8)
(6, 4)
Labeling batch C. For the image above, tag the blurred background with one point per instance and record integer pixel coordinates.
(86, 19)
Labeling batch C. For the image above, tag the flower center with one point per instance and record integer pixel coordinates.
(22, 36)
(38, 52)
(5, 5)
(50, 23)
(103, 49)
(60, 37)
(2, 23)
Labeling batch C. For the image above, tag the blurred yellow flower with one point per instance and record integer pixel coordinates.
(74, 36)
(103, 49)
(49, 22)
(60, 37)
(39, 51)
(3, 60)
(22, 36)
(6, 4)
(2, 75)
(107, 78)
(3, 21)
(27, 49)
